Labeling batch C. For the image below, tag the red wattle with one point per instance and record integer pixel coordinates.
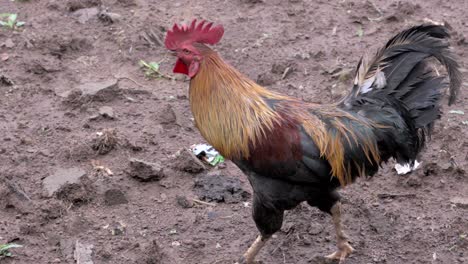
(180, 67)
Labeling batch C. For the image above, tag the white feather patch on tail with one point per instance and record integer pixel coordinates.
(406, 168)
(378, 81)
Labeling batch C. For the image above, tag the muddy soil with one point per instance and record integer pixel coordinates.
(92, 163)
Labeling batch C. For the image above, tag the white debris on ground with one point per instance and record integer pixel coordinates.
(207, 153)
(406, 168)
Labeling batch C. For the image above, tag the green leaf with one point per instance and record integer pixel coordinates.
(20, 23)
(8, 246)
(154, 66)
(12, 18)
(3, 23)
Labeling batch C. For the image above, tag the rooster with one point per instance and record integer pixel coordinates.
(292, 151)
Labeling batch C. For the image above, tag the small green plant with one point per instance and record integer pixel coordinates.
(4, 249)
(11, 21)
(360, 32)
(152, 70)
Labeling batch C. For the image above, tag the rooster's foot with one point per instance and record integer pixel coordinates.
(243, 260)
(344, 250)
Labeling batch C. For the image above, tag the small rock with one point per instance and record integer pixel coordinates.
(60, 178)
(108, 17)
(315, 228)
(8, 43)
(186, 161)
(114, 197)
(288, 227)
(52, 209)
(407, 8)
(104, 91)
(77, 193)
(265, 79)
(85, 14)
(302, 55)
(43, 66)
(279, 68)
(446, 166)
(83, 253)
(13, 197)
(107, 111)
(145, 171)
(117, 228)
(183, 201)
(133, 145)
(152, 254)
(4, 56)
(94, 117)
(5, 80)
(393, 18)
(220, 189)
(413, 181)
(167, 117)
(99, 88)
(460, 201)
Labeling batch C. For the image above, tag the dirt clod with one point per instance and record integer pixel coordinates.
(86, 14)
(145, 171)
(109, 17)
(184, 202)
(220, 188)
(4, 80)
(152, 254)
(460, 201)
(105, 91)
(8, 43)
(61, 178)
(265, 79)
(114, 197)
(167, 117)
(186, 161)
(12, 200)
(107, 112)
(77, 193)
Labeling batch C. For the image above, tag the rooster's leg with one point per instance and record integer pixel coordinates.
(344, 249)
(268, 222)
(249, 256)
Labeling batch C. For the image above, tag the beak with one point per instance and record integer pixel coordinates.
(172, 53)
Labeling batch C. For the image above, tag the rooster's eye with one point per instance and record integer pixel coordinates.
(186, 51)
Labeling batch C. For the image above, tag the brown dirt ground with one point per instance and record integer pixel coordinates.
(390, 218)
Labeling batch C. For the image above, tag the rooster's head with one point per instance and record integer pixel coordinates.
(187, 42)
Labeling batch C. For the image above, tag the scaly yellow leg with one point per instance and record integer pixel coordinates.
(344, 249)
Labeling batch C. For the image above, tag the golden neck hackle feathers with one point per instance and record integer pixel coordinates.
(228, 107)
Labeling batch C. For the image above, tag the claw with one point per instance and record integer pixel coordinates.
(241, 260)
(343, 251)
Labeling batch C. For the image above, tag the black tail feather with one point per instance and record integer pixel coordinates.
(403, 58)
(401, 93)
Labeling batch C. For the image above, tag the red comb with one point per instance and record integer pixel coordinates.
(194, 33)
